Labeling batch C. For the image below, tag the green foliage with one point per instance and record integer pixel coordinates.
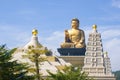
(69, 73)
(49, 53)
(11, 70)
(34, 55)
(117, 75)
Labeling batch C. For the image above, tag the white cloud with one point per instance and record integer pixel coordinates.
(111, 44)
(53, 41)
(116, 3)
(111, 17)
(13, 36)
(113, 47)
(57, 35)
(87, 32)
(107, 34)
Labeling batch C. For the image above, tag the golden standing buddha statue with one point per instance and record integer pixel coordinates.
(74, 38)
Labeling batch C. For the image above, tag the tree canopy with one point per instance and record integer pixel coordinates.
(9, 69)
(69, 73)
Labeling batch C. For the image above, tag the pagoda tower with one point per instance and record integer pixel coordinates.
(107, 64)
(96, 62)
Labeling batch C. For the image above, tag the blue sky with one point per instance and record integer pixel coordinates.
(52, 17)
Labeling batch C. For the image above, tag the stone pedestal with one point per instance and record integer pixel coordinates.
(75, 56)
(74, 60)
(103, 77)
(71, 51)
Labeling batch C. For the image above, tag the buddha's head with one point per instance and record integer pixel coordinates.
(75, 23)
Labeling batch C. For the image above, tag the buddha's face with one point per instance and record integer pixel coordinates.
(74, 24)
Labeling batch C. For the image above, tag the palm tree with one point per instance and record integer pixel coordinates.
(69, 73)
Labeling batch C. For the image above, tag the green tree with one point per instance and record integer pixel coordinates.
(11, 70)
(117, 75)
(34, 54)
(69, 73)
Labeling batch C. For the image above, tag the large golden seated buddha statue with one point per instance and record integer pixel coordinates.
(74, 38)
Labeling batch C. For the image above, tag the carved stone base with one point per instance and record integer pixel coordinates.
(74, 60)
(71, 51)
(104, 77)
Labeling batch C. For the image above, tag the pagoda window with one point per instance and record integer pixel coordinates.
(88, 54)
(90, 39)
(88, 43)
(94, 35)
(98, 44)
(98, 60)
(98, 53)
(94, 39)
(91, 43)
(100, 70)
(93, 60)
(95, 43)
(94, 54)
(93, 70)
(98, 39)
(90, 35)
(94, 48)
(88, 48)
(98, 35)
(99, 48)
(87, 69)
(88, 60)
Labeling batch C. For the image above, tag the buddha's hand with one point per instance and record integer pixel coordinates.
(80, 41)
(75, 43)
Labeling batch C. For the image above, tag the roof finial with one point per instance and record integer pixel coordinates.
(94, 27)
(34, 32)
(106, 54)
